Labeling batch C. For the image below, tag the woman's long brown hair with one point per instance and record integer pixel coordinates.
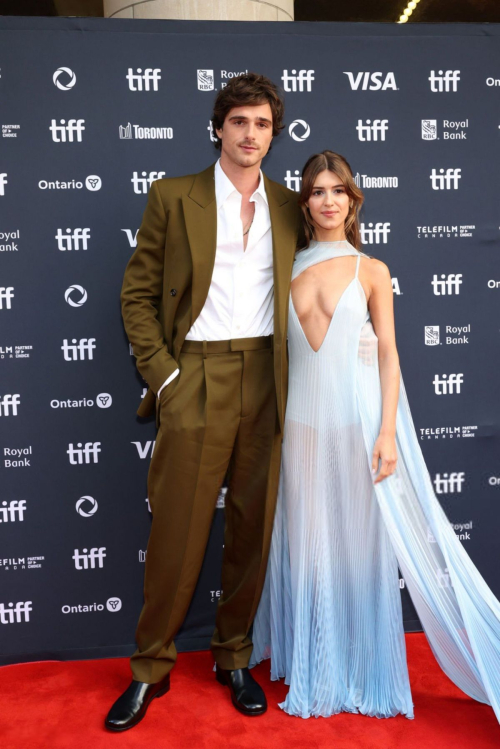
(333, 162)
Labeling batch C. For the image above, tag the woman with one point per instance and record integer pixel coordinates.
(355, 496)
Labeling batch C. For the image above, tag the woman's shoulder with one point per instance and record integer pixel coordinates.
(377, 271)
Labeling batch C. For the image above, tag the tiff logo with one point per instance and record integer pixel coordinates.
(3, 182)
(75, 350)
(7, 293)
(71, 240)
(445, 180)
(449, 483)
(9, 510)
(80, 454)
(140, 81)
(142, 184)
(64, 133)
(19, 612)
(371, 130)
(7, 402)
(447, 384)
(444, 81)
(296, 81)
(449, 284)
(87, 559)
(375, 233)
(293, 183)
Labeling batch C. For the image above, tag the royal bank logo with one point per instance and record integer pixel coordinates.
(75, 295)
(143, 183)
(448, 384)
(9, 404)
(89, 559)
(372, 131)
(16, 457)
(432, 335)
(205, 80)
(297, 81)
(6, 297)
(6, 241)
(138, 132)
(12, 511)
(446, 284)
(67, 132)
(375, 233)
(86, 506)
(444, 81)
(372, 81)
(83, 454)
(64, 79)
(429, 129)
(3, 182)
(15, 613)
(143, 80)
(299, 130)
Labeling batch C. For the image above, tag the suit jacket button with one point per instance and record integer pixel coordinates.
(173, 292)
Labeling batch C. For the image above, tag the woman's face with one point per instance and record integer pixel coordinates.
(328, 203)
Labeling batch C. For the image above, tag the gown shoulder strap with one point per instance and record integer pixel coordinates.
(358, 260)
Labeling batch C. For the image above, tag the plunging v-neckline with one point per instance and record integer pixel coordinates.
(316, 351)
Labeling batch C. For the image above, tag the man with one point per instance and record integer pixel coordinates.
(205, 307)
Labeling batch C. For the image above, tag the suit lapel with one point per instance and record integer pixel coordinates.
(200, 215)
(284, 235)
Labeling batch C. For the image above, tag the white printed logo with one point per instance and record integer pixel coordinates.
(432, 335)
(143, 451)
(445, 180)
(113, 604)
(293, 183)
(71, 240)
(429, 129)
(296, 81)
(85, 560)
(447, 384)
(205, 80)
(444, 81)
(449, 284)
(104, 400)
(372, 81)
(93, 182)
(7, 293)
(3, 182)
(76, 350)
(80, 290)
(70, 80)
(9, 510)
(80, 454)
(132, 238)
(375, 233)
(19, 612)
(142, 184)
(65, 132)
(306, 130)
(372, 130)
(86, 506)
(449, 483)
(7, 402)
(140, 81)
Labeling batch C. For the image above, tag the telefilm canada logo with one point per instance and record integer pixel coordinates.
(15, 352)
(446, 231)
(448, 432)
(17, 564)
(10, 131)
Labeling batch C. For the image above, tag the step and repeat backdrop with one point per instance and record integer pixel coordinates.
(92, 112)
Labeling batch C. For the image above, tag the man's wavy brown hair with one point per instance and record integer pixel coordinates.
(247, 90)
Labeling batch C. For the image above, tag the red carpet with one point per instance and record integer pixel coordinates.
(53, 704)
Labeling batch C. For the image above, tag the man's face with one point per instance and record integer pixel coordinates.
(246, 134)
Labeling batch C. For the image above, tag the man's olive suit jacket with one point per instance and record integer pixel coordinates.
(167, 279)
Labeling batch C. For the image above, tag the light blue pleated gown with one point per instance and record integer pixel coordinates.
(330, 616)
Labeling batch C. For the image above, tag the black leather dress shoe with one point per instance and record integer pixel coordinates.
(246, 695)
(131, 707)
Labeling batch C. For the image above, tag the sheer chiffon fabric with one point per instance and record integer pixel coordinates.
(330, 616)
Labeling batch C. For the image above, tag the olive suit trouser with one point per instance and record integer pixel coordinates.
(219, 413)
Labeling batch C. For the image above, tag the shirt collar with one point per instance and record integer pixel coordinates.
(224, 187)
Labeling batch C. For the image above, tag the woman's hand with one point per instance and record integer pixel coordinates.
(385, 452)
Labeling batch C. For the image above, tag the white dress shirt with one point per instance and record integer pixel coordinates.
(240, 300)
